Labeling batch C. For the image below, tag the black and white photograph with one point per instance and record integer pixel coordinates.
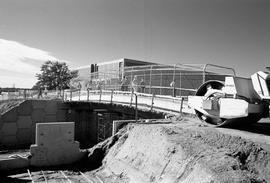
(134, 91)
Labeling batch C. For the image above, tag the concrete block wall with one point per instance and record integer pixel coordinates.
(17, 126)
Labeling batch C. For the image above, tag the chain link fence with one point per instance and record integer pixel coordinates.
(174, 80)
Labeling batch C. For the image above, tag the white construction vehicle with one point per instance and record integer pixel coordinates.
(236, 101)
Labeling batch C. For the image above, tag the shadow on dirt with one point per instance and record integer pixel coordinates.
(262, 127)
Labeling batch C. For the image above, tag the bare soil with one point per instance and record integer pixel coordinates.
(178, 149)
(183, 151)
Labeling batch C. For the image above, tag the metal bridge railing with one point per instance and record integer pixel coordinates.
(135, 99)
(30, 94)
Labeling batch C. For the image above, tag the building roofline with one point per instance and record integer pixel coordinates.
(111, 61)
(82, 67)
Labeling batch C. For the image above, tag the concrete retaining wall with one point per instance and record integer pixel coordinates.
(17, 126)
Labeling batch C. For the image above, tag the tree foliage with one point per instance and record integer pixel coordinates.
(55, 75)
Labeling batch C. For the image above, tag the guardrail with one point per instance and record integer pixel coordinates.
(145, 101)
(30, 94)
(138, 100)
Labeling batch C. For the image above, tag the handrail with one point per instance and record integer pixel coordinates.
(205, 66)
(228, 68)
(144, 100)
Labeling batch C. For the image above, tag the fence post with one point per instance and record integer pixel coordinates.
(204, 68)
(88, 94)
(70, 95)
(111, 96)
(174, 90)
(160, 83)
(100, 93)
(136, 107)
(131, 98)
(181, 105)
(150, 80)
(131, 74)
(180, 83)
(152, 102)
(174, 67)
(24, 94)
(79, 94)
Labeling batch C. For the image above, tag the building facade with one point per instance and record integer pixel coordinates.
(159, 79)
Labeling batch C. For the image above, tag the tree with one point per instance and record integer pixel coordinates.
(55, 75)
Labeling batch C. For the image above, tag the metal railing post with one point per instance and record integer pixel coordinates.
(160, 83)
(174, 67)
(150, 80)
(131, 75)
(111, 96)
(88, 91)
(79, 94)
(100, 93)
(131, 98)
(136, 107)
(152, 102)
(204, 67)
(174, 90)
(70, 95)
(181, 105)
(24, 94)
(180, 83)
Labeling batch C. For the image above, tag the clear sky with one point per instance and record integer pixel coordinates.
(233, 33)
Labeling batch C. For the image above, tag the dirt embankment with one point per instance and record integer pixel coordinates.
(180, 152)
(7, 105)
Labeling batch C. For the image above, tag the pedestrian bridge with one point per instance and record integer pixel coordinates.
(144, 101)
(138, 100)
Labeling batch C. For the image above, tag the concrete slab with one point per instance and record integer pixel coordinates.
(24, 122)
(1, 136)
(11, 115)
(38, 115)
(50, 118)
(61, 115)
(39, 104)
(51, 107)
(1, 122)
(33, 133)
(9, 129)
(9, 140)
(55, 145)
(24, 136)
(13, 163)
(25, 108)
(54, 133)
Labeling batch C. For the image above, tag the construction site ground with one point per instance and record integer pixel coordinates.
(179, 149)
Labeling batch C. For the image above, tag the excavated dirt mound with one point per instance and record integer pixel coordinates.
(180, 151)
